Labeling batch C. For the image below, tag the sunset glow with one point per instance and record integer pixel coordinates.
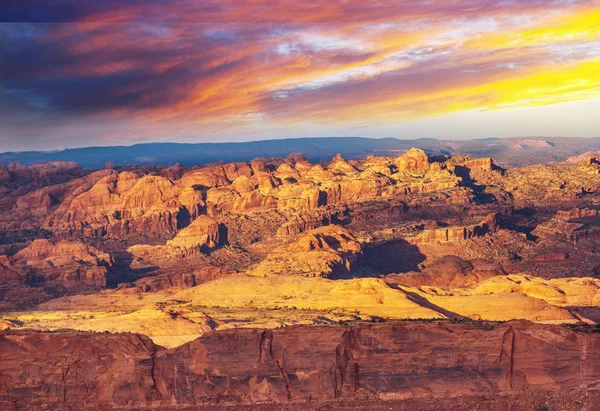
(129, 72)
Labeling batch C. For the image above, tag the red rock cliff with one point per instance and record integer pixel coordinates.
(296, 364)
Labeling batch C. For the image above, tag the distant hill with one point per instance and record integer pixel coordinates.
(506, 152)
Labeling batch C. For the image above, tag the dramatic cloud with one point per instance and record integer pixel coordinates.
(126, 71)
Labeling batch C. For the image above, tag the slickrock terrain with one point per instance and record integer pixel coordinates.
(387, 280)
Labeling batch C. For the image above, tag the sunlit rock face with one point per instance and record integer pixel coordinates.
(63, 264)
(322, 252)
(113, 204)
(415, 159)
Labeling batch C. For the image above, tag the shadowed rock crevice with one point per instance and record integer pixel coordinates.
(394, 256)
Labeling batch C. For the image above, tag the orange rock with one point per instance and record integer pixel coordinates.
(235, 170)
(457, 233)
(174, 172)
(448, 272)
(327, 251)
(287, 171)
(202, 233)
(517, 365)
(413, 160)
(254, 201)
(71, 265)
(339, 166)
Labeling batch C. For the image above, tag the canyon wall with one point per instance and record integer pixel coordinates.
(297, 365)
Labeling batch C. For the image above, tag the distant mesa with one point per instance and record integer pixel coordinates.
(318, 150)
(145, 159)
(532, 144)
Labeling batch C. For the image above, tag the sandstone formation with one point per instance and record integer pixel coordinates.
(270, 367)
(202, 235)
(128, 203)
(454, 234)
(577, 213)
(449, 272)
(203, 232)
(415, 159)
(42, 171)
(582, 157)
(190, 256)
(323, 252)
(4, 174)
(54, 267)
(234, 300)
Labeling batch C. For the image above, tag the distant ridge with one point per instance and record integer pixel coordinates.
(317, 149)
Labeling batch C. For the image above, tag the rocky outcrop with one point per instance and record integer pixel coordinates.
(590, 165)
(46, 268)
(340, 166)
(30, 208)
(413, 160)
(201, 236)
(457, 233)
(327, 251)
(306, 221)
(178, 280)
(133, 203)
(63, 370)
(63, 264)
(566, 225)
(202, 233)
(576, 213)
(300, 224)
(138, 202)
(175, 172)
(122, 204)
(449, 272)
(43, 171)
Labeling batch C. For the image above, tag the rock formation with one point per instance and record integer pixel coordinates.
(63, 264)
(415, 159)
(53, 267)
(43, 171)
(202, 235)
(270, 366)
(454, 234)
(4, 174)
(193, 255)
(449, 272)
(129, 203)
(323, 252)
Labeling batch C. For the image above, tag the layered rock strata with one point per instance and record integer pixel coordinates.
(393, 361)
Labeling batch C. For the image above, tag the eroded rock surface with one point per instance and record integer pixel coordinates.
(271, 366)
(54, 267)
(323, 252)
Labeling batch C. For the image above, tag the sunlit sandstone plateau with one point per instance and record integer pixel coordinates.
(470, 278)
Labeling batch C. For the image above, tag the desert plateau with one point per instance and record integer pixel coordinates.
(272, 205)
(402, 279)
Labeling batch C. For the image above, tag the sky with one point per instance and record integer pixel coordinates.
(79, 73)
